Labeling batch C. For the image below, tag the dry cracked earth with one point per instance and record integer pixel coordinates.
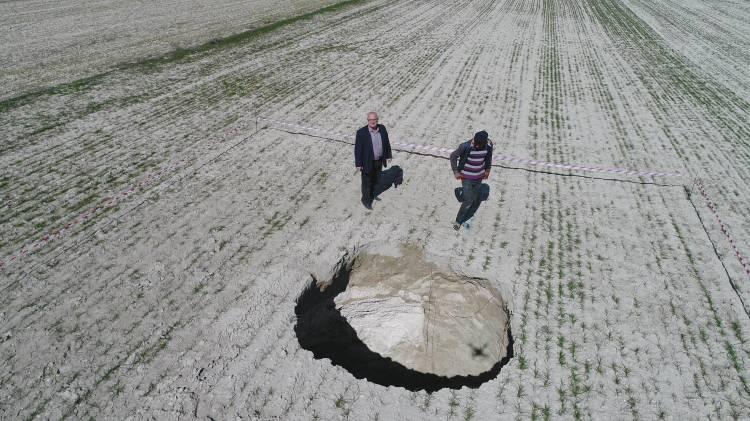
(155, 233)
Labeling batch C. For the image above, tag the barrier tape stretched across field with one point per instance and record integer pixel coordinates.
(408, 147)
(105, 204)
(712, 207)
(504, 158)
(444, 152)
(85, 216)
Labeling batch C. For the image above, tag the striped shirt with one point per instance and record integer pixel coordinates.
(474, 167)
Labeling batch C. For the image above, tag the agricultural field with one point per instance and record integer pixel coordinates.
(171, 188)
(47, 43)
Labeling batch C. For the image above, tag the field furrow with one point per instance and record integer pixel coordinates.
(156, 232)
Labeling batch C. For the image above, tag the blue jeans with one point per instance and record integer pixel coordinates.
(471, 200)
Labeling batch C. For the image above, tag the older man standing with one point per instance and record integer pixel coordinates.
(372, 152)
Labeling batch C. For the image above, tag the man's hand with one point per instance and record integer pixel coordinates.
(486, 175)
(359, 168)
(457, 175)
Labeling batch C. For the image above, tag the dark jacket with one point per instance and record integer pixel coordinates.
(363, 155)
(461, 154)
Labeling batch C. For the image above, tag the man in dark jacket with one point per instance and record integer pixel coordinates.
(372, 152)
(471, 163)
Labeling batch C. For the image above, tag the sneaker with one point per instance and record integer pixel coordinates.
(456, 226)
(368, 205)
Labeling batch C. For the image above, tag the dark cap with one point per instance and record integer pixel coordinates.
(481, 137)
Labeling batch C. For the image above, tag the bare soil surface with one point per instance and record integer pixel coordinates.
(154, 235)
(44, 42)
(405, 307)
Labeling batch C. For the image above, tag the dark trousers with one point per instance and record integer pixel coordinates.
(370, 181)
(471, 200)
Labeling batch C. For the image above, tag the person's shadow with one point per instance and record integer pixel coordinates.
(393, 176)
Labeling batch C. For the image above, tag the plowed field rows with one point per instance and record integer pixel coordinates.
(155, 233)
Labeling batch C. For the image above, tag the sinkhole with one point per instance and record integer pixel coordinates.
(395, 317)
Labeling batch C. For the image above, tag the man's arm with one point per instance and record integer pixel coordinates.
(455, 155)
(488, 163)
(386, 144)
(358, 151)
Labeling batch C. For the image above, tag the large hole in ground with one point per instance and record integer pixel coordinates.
(401, 320)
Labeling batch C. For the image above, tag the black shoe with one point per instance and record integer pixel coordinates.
(368, 205)
(456, 226)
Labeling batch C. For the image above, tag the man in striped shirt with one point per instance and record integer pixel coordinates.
(471, 163)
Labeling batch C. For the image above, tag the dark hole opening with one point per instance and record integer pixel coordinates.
(321, 329)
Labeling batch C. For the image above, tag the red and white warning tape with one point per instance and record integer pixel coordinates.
(423, 149)
(105, 204)
(435, 150)
(712, 206)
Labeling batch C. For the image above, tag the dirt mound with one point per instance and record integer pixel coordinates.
(430, 320)
(399, 319)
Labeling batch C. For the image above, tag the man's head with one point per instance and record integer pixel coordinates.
(372, 120)
(480, 139)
